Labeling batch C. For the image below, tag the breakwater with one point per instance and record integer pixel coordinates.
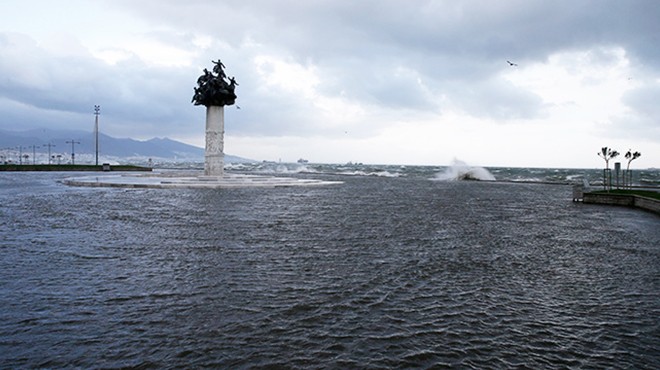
(630, 200)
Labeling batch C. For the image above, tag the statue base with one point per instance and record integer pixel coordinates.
(191, 180)
(214, 158)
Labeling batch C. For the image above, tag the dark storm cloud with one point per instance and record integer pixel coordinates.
(445, 42)
(32, 78)
(132, 95)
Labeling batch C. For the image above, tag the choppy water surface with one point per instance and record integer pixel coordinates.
(382, 271)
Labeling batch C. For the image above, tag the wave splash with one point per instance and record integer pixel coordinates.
(460, 170)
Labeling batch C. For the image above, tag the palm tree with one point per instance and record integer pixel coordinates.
(607, 154)
(630, 157)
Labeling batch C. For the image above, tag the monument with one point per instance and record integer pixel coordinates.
(214, 91)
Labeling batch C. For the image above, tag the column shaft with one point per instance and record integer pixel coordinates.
(214, 157)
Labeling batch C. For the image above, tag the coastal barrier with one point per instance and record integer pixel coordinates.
(628, 200)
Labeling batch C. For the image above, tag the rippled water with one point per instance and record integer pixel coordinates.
(378, 272)
(639, 177)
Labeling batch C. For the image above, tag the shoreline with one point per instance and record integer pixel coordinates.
(71, 168)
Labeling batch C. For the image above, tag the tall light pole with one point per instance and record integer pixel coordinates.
(20, 154)
(97, 111)
(73, 155)
(34, 154)
(49, 145)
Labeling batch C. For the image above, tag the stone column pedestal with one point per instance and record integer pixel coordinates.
(214, 157)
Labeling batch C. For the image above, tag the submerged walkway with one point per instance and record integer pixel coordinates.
(184, 179)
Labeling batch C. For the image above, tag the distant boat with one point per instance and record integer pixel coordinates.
(303, 161)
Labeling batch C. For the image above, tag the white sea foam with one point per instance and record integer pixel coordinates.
(283, 168)
(369, 173)
(236, 166)
(460, 170)
(574, 177)
(385, 174)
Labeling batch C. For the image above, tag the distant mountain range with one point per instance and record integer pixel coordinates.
(111, 149)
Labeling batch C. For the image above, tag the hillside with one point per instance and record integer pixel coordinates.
(111, 149)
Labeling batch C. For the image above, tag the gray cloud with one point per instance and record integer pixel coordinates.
(644, 100)
(131, 94)
(387, 54)
(498, 100)
(644, 122)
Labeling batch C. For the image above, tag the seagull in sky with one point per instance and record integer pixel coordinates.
(512, 64)
(237, 107)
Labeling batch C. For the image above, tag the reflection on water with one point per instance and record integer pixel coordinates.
(381, 271)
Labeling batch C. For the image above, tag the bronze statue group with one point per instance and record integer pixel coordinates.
(213, 88)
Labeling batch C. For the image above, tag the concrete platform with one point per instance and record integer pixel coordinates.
(630, 200)
(186, 179)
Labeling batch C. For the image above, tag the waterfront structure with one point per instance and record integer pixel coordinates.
(97, 111)
(214, 91)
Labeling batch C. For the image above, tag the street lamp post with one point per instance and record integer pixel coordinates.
(34, 154)
(49, 145)
(20, 154)
(97, 111)
(73, 155)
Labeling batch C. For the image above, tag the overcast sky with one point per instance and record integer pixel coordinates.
(381, 82)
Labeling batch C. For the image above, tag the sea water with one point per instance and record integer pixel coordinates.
(391, 269)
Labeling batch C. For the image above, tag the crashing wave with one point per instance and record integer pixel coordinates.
(461, 171)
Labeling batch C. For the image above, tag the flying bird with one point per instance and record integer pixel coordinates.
(237, 107)
(512, 64)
